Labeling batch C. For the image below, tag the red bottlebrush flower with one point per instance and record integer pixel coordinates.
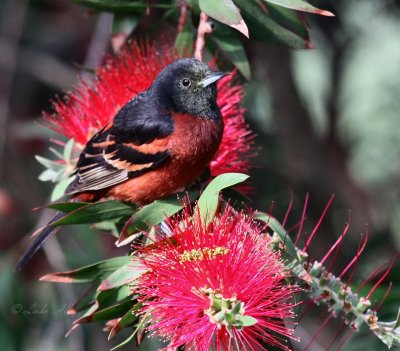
(92, 104)
(221, 287)
(236, 149)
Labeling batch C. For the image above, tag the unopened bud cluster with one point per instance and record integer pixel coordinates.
(326, 288)
(330, 290)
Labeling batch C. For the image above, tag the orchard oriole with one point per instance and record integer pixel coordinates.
(157, 144)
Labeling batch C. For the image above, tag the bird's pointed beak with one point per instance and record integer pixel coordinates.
(212, 78)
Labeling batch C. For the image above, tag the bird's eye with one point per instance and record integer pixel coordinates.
(185, 82)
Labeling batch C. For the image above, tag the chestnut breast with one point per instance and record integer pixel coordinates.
(192, 146)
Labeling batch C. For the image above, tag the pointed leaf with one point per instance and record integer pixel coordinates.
(397, 321)
(108, 305)
(97, 212)
(274, 224)
(84, 301)
(59, 189)
(153, 214)
(124, 275)
(300, 5)
(88, 273)
(209, 200)
(56, 153)
(225, 12)
(126, 341)
(66, 206)
(248, 321)
(293, 20)
(264, 28)
(68, 150)
(125, 24)
(289, 252)
(50, 164)
(137, 6)
(113, 296)
(231, 47)
(127, 319)
(142, 323)
(108, 227)
(107, 313)
(47, 175)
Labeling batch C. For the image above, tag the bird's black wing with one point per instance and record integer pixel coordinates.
(134, 143)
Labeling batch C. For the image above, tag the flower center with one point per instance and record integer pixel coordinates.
(228, 312)
(201, 254)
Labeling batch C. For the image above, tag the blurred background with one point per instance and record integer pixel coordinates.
(327, 122)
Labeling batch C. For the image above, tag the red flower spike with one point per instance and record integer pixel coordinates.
(237, 145)
(220, 287)
(93, 103)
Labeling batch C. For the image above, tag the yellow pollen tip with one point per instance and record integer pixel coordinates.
(201, 254)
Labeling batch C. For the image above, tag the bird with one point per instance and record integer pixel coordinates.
(157, 144)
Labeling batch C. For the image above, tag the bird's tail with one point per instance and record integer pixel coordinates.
(39, 241)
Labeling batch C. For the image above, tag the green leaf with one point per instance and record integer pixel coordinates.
(264, 28)
(107, 313)
(108, 305)
(108, 227)
(127, 319)
(97, 212)
(126, 341)
(143, 322)
(209, 200)
(121, 6)
(225, 12)
(153, 214)
(50, 164)
(247, 321)
(300, 5)
(274, 224)
(59, 189)
(113, 296)
(397, 321)
(124, 275)
(388, 332)
(125, 24)
(48, 175)
(289, 252)
(66, 206)
(68, 150)
(236, 309)
(56, 153)
(84, 301)
(292, 20)
(90, 273)
(231, 47)
(184, 40)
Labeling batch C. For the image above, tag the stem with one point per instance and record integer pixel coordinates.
(204, 29)
(182, 17)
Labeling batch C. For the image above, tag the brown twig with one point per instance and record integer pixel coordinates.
(203, 29)
(182, 17)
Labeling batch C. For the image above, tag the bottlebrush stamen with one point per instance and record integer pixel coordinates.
(217, 286)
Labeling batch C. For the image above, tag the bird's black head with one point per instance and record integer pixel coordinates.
(188, 86)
